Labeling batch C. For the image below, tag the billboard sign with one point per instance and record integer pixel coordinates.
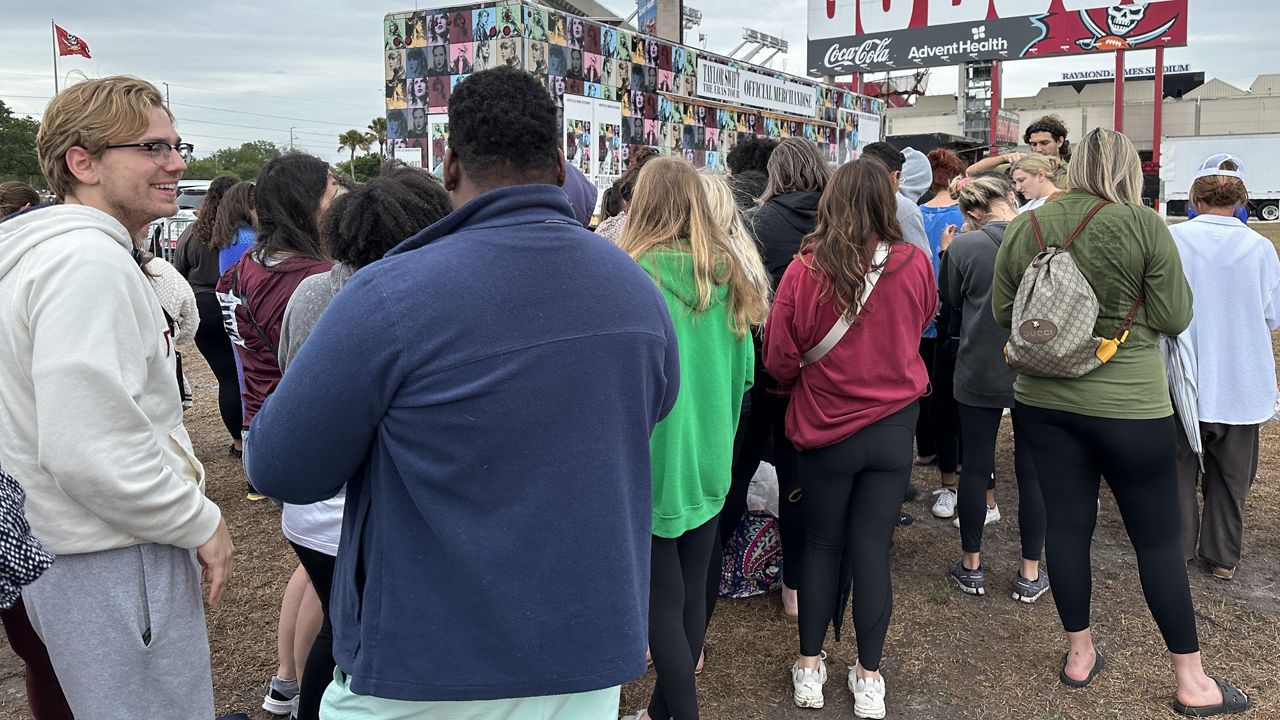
(849, 36)
(741, 86)
(647, 16)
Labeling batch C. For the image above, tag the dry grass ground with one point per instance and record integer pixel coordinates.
(948, 656)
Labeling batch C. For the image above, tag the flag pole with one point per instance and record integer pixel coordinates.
(54, 31)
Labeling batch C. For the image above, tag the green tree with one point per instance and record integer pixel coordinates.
(354, 140)
(18, 148)
(378, 128)
(244, 162)
(364, 168)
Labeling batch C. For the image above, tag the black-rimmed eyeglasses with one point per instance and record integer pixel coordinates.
(159, 150)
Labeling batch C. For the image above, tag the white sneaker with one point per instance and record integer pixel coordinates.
(807, 683)
(993, 515)
(945, 505)
(868, 695)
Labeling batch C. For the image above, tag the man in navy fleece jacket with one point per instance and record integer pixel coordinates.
(486, 392)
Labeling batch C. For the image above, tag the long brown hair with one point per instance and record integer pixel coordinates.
(669, 207)
(235, 209)
(203, 229)
(857, 212)
(796, 165)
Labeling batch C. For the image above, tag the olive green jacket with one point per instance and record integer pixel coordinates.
(1124, 249)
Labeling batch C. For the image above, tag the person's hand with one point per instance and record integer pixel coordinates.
(948, 234)
(1013, 157)
(215, 557)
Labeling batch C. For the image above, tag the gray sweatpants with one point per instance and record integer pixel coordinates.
(125, 631)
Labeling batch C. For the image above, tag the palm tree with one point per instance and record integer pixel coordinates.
(354, 140)
(378, 128)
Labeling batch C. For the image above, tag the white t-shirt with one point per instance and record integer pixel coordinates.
(1032, 205)
(316, 526)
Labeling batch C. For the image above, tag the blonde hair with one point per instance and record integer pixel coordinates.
(92, 114)
(725, 214)
(668, 209)
(1037, 164)
(979, 196)
(1106, 165)
(796, 165)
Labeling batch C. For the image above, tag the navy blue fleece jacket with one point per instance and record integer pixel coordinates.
(486, 392)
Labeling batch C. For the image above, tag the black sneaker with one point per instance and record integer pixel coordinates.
(972, 582)
(913, 492)
(905, 519)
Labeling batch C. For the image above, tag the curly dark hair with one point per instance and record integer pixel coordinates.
(363, 224)
(1057, 129)
(751, 153)
(203, 228)
(502, 128)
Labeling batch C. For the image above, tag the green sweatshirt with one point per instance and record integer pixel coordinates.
(1124, 248)
(692, 449)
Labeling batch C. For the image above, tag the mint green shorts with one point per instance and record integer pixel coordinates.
(341, 704)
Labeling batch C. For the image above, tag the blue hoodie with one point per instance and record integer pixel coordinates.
(487, 391)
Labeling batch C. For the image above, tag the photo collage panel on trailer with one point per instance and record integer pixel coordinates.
(655, 82)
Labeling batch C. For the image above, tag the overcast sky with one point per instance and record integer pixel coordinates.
(240, 71)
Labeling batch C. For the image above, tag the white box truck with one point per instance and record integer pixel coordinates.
(1260, 153)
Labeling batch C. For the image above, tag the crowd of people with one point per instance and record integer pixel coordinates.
(413, 368)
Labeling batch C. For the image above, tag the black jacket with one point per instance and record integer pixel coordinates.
(779, 225)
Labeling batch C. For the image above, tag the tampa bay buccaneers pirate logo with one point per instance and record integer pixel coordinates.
(1122, 21)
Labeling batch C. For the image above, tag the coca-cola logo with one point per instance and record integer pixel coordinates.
(874, 51)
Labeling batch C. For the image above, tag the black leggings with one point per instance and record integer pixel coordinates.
(318, 672)
(853, 493)
(981, 428)
(212, 341)
(1136, 457)
(926, 440)
(943, 413)
(678, 618)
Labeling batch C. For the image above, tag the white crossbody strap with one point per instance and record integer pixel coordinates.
(841, 327)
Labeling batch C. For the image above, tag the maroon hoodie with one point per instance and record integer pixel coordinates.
(264, 295)
(874, 371)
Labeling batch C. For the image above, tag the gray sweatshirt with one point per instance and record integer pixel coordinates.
(982, 379)
(916, 177)
(305, 307)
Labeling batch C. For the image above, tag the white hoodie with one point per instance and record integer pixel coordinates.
(90, 418)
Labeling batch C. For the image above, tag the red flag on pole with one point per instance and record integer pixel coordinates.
(69, 44)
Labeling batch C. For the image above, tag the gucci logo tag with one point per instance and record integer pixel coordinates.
(1038, 331)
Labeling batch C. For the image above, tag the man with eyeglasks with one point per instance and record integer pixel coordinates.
(91, 420)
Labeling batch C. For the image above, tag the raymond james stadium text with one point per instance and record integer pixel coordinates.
(962, 47)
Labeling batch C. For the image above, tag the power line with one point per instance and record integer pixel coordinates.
(246, 112)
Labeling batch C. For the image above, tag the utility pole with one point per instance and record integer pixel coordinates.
(291, 139)
(166, 93)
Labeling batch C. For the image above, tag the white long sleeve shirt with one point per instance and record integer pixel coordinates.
(1235, 282)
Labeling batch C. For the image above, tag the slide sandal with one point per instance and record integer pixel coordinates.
(1099, 662)
(1233, 701)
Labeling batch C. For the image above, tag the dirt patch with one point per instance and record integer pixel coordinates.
(948, 657)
